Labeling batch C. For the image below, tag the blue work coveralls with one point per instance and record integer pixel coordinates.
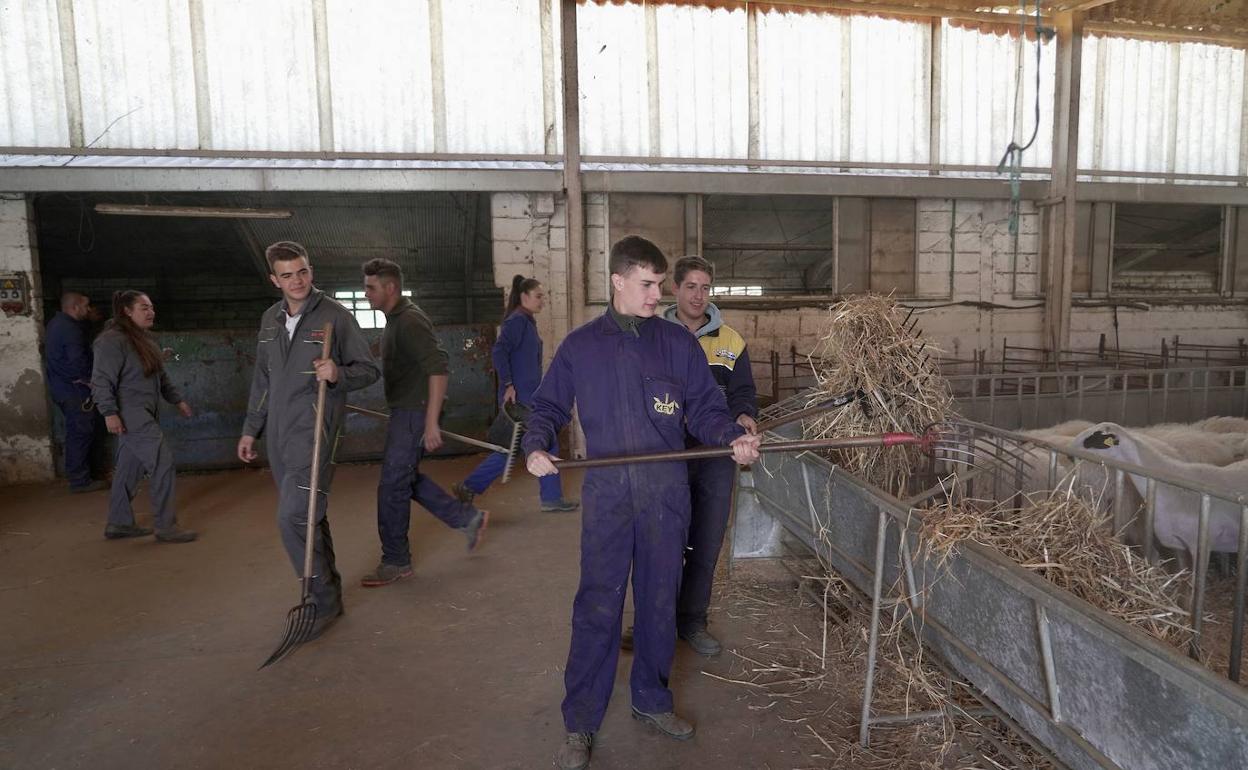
(634, 393)
(517, 358)
(69, 378)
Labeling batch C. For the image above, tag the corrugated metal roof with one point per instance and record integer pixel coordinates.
(615, 106)
(134, 60)
(261, 75)
(982, 110)
(32, 79)
(379, 60)
(664, 80)
(1160, 106)
(704, 97)
(174, 161)
(493, 59)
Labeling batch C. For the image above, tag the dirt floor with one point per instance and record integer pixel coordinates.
(123, 654)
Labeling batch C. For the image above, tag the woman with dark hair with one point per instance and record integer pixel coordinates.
(518, 361)
(127, 382)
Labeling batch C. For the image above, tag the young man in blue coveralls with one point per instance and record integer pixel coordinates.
(638, 383)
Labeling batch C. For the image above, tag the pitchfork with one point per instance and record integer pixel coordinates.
(302, 617)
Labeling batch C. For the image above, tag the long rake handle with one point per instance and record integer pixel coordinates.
(461, 439)
(801, 414)
(314, 482)
(851, 442)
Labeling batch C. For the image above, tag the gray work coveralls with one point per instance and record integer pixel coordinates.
(282, 407)
(119, 387)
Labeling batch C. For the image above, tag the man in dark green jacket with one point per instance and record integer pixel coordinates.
(415, 369)
(282, 408)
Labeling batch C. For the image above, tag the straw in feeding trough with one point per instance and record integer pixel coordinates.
(871, 347)
(1063, 538)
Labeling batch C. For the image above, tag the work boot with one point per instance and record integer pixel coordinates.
(118, 531)
(385, 574)
(323, 622)
(175, 535)
(626, 640)
(667, 723)
(474, 530)
(91, 486)
(702, 642)
(574, 753)
(560, 506)
(462, 493)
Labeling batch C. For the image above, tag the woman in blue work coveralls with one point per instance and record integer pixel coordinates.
(518, 360)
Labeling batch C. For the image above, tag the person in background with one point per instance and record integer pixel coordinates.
(518, 361)
(128, 381)
(711, 480)
(69, 380)
(415, 370)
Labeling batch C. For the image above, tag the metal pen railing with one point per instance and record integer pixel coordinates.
(986, 441)
(1130, 397)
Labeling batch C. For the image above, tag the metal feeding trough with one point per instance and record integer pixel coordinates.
(1088, 688)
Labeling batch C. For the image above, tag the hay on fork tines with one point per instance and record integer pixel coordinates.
(1063, 538)
(868, 348)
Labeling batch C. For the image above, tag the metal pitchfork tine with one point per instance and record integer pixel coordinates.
(302, 617)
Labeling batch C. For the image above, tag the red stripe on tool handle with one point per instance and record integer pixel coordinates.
(895, 439)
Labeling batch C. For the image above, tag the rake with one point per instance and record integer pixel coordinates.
(302, 617)
(929, 441)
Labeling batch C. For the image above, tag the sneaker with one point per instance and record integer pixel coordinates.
(175, 535)
(626, 640)
(90, 486)
(560, 506)
(702, 642)
(462, 493)
(385, 574)
(474, 530)
(667, 723)
(574, 753)
(118, 531)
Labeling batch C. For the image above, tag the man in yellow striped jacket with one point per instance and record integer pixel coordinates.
(710, 480)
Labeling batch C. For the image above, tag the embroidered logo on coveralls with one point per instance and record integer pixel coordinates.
(665, 407)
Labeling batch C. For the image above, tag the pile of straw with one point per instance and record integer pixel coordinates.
(872, 346)
(809, 675)
(1063, 538)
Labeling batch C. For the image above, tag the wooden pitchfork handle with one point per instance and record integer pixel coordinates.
(850, 442)
(457, 437)
(327, 331)
(814, 409)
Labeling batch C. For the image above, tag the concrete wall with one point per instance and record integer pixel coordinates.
(25, 443)
(972, 289)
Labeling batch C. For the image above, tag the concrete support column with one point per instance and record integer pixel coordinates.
(1061, 228)
(25, 440)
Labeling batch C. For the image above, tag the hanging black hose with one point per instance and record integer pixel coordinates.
(1014, 152)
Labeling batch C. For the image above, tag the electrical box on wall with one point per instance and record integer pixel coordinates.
(14, 294)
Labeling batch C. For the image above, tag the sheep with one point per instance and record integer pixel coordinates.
(1189, 443)
(1176, 513)
(1068, 429)
(1034, 456)
(1222, 425)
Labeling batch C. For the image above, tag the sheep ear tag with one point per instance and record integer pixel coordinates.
(1100, 440)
